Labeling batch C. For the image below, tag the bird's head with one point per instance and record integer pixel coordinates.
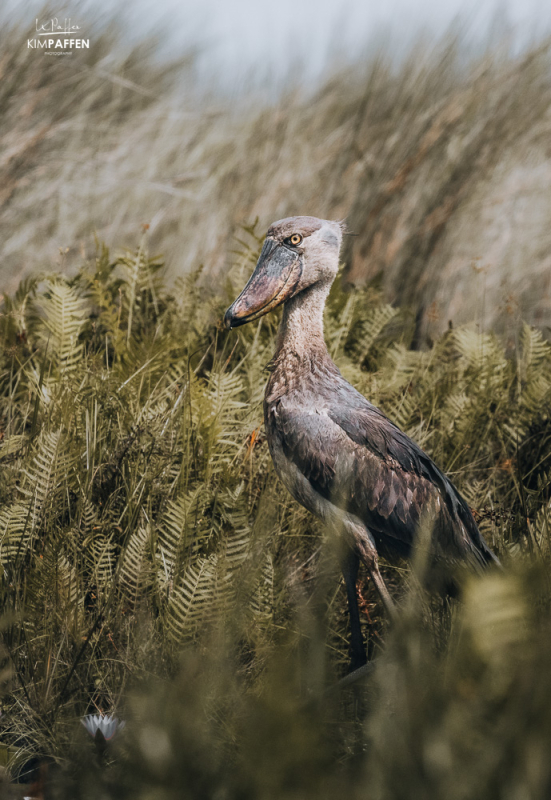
(298, 252)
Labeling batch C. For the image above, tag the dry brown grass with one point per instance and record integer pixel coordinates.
(435, 164)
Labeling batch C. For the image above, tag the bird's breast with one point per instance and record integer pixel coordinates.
(287, 470)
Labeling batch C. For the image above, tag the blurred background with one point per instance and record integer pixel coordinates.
(425, 124)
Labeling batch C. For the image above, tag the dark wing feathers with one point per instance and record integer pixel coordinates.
(360, 424)
(354, 456)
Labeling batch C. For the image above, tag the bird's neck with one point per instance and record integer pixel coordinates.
(300, 337)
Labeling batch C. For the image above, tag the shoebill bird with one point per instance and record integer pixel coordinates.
(337, 454)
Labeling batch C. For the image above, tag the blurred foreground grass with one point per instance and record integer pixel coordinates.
(152, 565)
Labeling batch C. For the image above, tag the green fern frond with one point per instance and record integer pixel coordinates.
(100, 557)
(535, 351)
(64, 317)
(262, 601)
(183, 531)
(233, 527)
(337, 329)
(136, 568)
(368, 329)
(482, 354)
(50, 473)
(12, 445)
(15, 533)
(193, 601)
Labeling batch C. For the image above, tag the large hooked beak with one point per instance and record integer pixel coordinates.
(275, 277)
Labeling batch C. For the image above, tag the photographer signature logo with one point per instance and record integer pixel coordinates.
(57, 37)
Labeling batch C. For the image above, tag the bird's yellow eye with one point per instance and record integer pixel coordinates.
(295, 239)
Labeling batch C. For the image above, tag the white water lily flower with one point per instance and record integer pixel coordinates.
(107, 725)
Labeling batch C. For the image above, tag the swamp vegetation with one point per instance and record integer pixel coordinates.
(154, 568)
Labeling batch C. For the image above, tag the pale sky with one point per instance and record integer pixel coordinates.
(243, 36)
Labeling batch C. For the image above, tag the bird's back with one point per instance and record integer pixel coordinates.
(353, 456)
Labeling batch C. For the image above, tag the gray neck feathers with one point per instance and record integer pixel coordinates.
(300, 334)
(301, 356)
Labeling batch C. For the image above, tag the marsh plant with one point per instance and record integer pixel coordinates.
(438, 159)
(154, 568)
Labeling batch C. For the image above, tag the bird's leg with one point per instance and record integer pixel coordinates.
(368, 554)
(359, 539)
(384, 594)
(350, 563)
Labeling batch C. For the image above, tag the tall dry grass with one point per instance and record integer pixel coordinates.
(440, 165)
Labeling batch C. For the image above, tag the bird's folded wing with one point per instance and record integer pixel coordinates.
(359, 460)
(361, 476)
